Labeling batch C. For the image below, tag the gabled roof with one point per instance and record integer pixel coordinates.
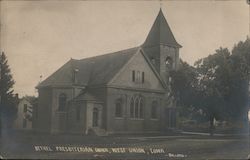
(97, 70)
(63, 76)
(161, 33)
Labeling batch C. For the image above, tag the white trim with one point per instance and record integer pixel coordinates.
(136, 89)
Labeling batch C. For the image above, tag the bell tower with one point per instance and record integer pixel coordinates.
(161, 47)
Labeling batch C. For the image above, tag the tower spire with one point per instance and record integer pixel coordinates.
(162, 48)
(161, 33)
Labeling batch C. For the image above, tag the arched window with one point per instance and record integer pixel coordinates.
(169, 62)
(136, 107)
(132, 111)
(141, 108)
(62, 102)
(154, 109)
(95, 117)
(118, 108)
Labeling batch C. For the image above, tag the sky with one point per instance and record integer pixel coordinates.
(38, 37)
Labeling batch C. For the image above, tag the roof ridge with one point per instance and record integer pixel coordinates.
(110, 53)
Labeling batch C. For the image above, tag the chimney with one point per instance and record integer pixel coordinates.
(75, 72)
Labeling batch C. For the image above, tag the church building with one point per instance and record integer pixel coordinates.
(122, 92)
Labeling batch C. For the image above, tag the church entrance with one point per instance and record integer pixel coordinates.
(95, 117)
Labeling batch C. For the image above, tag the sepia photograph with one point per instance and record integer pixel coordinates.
(122, 79)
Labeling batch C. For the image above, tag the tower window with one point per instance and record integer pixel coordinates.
(170, 79)
(169, 62)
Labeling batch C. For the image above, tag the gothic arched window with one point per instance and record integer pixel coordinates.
(62, 100)
(132, 111)
(95, 117)
(141, 108)
(136, 107)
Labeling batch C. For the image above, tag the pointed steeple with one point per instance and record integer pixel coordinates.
(161, 33)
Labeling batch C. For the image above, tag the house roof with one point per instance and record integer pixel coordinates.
(161, 33)
(96, 70)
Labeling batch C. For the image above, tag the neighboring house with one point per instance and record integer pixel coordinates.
(24, 115)
(123, 92)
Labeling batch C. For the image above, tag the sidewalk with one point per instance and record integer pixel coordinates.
(215, 134)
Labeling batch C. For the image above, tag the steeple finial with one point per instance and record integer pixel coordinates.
(160, 4)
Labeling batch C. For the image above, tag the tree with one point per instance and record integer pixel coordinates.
(213, 72)
(8, 100)
(182, 86)
(217, 85)
(202, 89)
(240, 77)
